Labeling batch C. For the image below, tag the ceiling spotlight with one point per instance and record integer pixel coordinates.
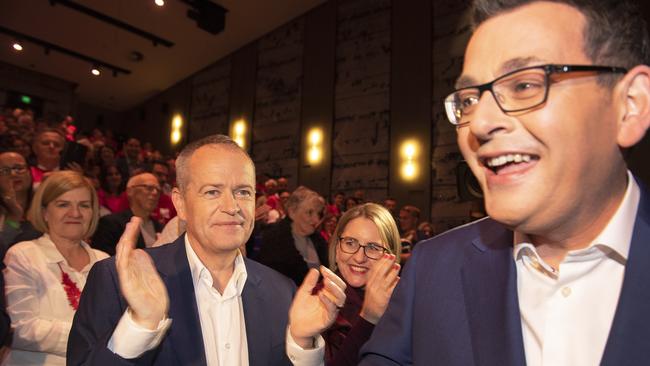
(160, 2)
(17, 46)
(95, 70)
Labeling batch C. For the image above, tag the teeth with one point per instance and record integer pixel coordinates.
(508, 158)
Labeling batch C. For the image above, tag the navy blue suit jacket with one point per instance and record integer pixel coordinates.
(457, 304)
(266, 299)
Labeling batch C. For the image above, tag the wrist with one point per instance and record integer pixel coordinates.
(303, 342)
(150, 323)
(368, 316)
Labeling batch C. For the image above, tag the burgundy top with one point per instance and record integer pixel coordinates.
(350, 331)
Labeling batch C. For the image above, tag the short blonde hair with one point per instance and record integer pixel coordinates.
(53, 187)
(380, 216)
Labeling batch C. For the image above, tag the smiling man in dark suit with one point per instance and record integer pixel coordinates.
(199, 301)
(550, 95)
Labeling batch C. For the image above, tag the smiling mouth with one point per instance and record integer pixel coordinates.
(357, 269)
(497, 164)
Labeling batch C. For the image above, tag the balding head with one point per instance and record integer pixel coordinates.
(143, 192)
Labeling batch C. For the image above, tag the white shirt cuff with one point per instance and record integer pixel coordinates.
(306, 357)
(129, 340)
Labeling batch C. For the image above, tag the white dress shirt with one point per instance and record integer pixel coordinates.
(41, 315)
(222, 322)
(567, 313)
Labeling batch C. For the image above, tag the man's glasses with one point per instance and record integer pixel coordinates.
(351, 245)
(516, 91)
(147, 187)
(17, 169)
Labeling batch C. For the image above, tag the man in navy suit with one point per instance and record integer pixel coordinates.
(198, 301)
(550, 95)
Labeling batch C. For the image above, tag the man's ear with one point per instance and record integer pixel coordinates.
(635, 89)
(179, 203)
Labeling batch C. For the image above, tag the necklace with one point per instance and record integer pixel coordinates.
(71, 289)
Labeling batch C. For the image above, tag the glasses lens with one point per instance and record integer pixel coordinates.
(521, 90)
(349, 245)
(19, 169)
(460, 104)
(374, 251)
(5, 171)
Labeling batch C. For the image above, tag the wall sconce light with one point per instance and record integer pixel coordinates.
(238, 133)
(315, 145)
(409, 152)
(177, 124)
(95, 70)
(17, 46)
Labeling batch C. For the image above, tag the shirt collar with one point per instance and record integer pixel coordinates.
(617, 234)
(52, 254)
(199, 270)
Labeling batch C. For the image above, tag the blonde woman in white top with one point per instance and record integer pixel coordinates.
(44, 277)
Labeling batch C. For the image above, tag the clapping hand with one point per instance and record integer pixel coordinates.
(140, 282)
(310, 313)
(13, 209)
(382, 279)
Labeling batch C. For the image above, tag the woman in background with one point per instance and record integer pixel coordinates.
(363, 252)
(44, 277)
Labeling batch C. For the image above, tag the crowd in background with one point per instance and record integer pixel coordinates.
(99, 181)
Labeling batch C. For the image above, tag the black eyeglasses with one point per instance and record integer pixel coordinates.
(148, 187)
(351, 245)
(17, 169)
(516, 91)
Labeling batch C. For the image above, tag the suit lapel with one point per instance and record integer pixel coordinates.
(258, 334)
(490, 287)
(629, 337)
(185, 333)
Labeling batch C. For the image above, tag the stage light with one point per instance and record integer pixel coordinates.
(95, 70)
(17, 46)
(159, 2)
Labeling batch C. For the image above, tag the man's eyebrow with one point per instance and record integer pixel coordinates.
(508, 66)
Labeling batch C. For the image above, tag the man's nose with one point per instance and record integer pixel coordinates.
(488, 119)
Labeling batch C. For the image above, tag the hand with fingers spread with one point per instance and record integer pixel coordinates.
(310, 313)
(140, 282)
(382, 279)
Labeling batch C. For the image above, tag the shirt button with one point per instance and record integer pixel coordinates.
(566, 291)
(227, 345)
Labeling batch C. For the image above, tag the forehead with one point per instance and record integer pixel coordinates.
(48, 136)
(11, 158)
(81, 193)
(537, 33)
(215, 164)
(145, 179)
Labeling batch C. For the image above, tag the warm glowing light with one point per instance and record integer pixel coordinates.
(17, 46)
(176, 136)
(239, 127)
(315, 136)
(409, 165)
(177, 124)
(159, 2)
(95, 71)
(238, 132)
(315, 145)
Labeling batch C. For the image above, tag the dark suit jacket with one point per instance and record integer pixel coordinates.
(457, 304)
(266, 299)
(110, 229)
(279, 251)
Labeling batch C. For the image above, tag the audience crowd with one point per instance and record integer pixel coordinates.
(100, 181)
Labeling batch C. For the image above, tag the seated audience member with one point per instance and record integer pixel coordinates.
(363, 251)
(283, 184)
(409, 219)
(293, 245)
(47, 146)
(165, 209)
(426, 230)
(271, 193)
(15, 197)
(337, 205)
(328, 225)
(198, 301)
(550, 96)
(130, 162)
(142, 192)
(106, 156)
(22, 147)
(351, 202)
(111, 194)
(44, 277)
